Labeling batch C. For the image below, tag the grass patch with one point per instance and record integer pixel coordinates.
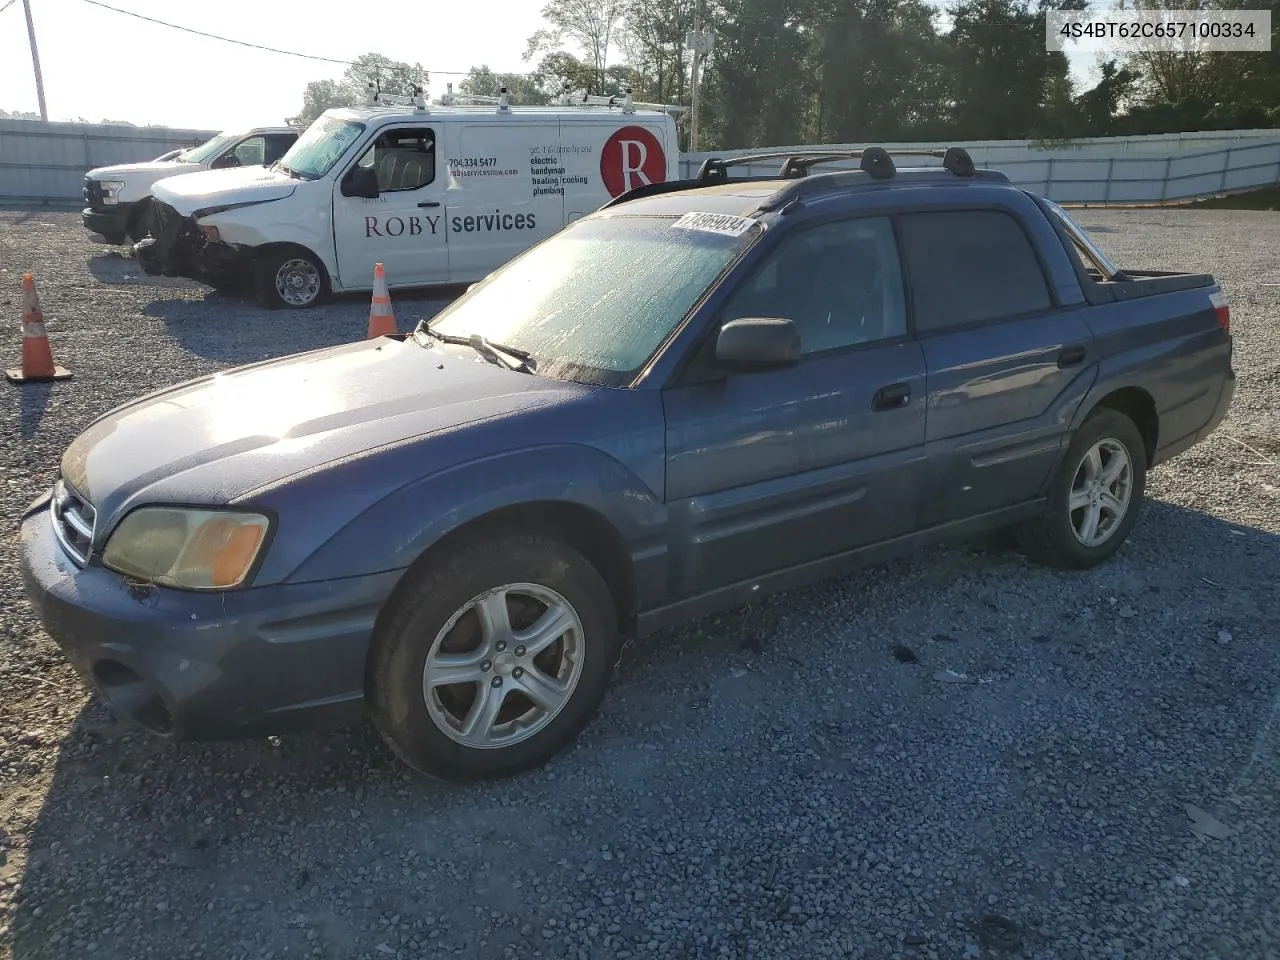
(1268, 198)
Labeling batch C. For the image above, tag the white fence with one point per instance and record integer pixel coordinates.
(46, 162)
(1103, 170)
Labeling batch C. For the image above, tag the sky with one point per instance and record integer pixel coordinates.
(101, 65)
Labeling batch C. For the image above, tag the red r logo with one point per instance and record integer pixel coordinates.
(631, 158)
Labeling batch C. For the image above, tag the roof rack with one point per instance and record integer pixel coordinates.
(875, 162)
(566, 99)
(376, 98)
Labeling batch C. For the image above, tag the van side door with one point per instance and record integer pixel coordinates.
(504, 189)
(404, 227)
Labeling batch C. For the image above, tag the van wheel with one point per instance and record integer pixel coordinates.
(491, 659)
(1094, 498)
(291, 279)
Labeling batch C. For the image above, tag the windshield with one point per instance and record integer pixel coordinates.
(320, 147)
(1088, 249)
(594, 302)
(209, 149)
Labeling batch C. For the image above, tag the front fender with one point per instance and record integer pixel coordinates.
(399, 528)
(277, 221)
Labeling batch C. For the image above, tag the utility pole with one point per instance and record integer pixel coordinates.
(35, 60)
(702, 42)
(697, 62)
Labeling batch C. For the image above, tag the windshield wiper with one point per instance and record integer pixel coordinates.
(512, 358)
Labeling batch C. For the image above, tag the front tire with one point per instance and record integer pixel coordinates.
(140, 221)
(291, 279)
(1094, 498)
(493, 658)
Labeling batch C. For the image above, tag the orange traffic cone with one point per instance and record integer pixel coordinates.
(37, 358)
(382, 322)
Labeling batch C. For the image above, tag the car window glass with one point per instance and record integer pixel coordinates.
(278, 145)
(250, 152)
(839, 283)
(402, 159)
(970, 266)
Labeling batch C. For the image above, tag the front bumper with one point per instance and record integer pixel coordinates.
(178, 248)
(112, 222)
(207, 666)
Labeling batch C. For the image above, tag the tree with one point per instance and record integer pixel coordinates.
(390, 76)
(591, 24)
(483, 82)
(559, 71)
(1007, 86)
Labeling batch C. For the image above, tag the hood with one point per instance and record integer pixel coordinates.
(136, 172)
(220, 437)
(239, 186)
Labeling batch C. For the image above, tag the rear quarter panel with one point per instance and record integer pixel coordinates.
(1169, 345)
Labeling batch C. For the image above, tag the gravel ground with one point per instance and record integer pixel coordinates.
(773, 782)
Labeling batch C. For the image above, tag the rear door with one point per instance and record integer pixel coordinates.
(404, 228)
(1006, 365)
(606, 155)
(769, 470)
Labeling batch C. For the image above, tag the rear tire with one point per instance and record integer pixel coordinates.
(1094, 498)
(291, 278)
(492, 658)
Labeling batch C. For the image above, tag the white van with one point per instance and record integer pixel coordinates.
(439, 195)
(116, 195)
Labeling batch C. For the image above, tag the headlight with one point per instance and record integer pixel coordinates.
(109, 190)
(188, 549)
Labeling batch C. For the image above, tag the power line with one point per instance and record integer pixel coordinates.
(212, 36)
(8, 5)
(245, 43)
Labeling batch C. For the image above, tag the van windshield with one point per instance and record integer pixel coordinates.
(207, 150)
(594, 302)
(321, 146)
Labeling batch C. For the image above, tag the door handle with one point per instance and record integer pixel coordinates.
(429, 203)
(1071, 356)
(891, 397)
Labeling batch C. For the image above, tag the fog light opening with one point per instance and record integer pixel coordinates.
(132, 697)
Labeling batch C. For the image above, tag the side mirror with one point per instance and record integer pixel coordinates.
(361, 182)
(757, 343)
(224, 161)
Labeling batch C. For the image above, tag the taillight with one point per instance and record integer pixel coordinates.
(1222, 309)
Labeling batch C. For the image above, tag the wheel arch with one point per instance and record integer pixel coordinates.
(1140, 407)
(586, 530)
(265, 251)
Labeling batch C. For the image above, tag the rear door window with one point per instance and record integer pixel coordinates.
(970, 267)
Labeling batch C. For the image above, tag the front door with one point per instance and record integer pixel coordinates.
(1006, 368)
(770, 470)
(404, 228)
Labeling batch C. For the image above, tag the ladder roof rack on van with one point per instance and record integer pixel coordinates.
(876, 164)
(566, 99)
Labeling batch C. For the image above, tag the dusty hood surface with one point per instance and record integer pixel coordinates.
(134, 171)
(213, 439)
(214, 188)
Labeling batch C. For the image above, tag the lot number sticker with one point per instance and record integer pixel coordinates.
(721, 223)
